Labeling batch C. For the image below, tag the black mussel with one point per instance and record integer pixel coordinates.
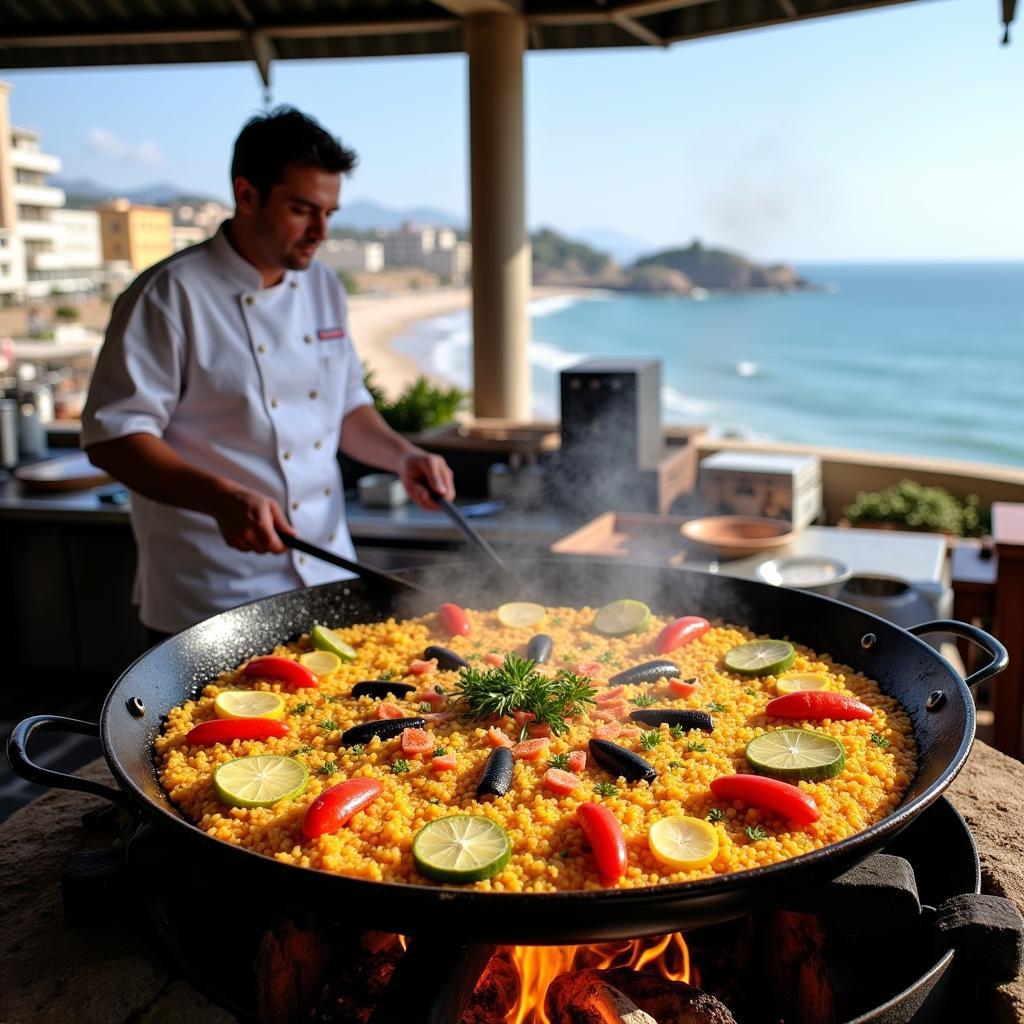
(385, 728)
(648, 672)
(447, 661)
(684, 719)
(539, 649)
(620, 761)
(378, 689)
(497, 774)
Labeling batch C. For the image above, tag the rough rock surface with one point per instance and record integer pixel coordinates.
(110, 972)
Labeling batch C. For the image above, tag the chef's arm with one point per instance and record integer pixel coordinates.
(149, 466)
(366, 437)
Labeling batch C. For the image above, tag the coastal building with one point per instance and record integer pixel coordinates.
(352, 255)
(182, 236)
(434, 248)
(452, 262)
(205, 215)
(139, 235)
(75, 262)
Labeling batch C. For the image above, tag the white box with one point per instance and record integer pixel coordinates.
(762, 484)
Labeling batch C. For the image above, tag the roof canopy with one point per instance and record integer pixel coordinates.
(78, 33)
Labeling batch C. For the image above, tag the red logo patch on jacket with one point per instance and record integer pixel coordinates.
(330, 333)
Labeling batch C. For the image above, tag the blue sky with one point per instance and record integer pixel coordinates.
(893, 134)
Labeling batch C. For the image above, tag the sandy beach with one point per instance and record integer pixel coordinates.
(376, 321)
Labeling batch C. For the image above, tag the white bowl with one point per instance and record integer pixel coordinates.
(818, 573)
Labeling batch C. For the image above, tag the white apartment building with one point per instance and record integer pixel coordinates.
(348, 254)
(182, 236)
(409, 245)
(453, 262)
(206, 216)
(59, 249)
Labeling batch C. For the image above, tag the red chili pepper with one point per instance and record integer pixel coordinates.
(288, 671)
(789, 801)
(604, 834)
(817, 704)
(680, 632)
(224, 730)
(334, 806)
(453, 620)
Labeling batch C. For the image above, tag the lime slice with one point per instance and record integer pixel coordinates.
(796, 754)
(622, 617)
(323, 663)
(761, 658)
(521, 613)
(461, 848)
(794, 682)
(248, 704)
(325, 639)
(259, 781)
(683, 843)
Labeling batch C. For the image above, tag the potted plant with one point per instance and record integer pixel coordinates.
(909, 505)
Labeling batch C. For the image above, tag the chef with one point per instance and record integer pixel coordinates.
(226, 385)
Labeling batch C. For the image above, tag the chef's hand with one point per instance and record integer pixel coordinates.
(250, 521)
(423, 475)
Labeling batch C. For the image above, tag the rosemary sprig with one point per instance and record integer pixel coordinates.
(328, 769)
(716, 706)
(517, 686)
(716, 814)
(606, 789)
(756, 833)
(559, 761)
(696, 746)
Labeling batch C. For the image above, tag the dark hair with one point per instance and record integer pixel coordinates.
(269, 142)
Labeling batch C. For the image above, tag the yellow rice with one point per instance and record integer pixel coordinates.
(548, 851)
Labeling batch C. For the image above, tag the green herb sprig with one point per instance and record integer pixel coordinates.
(642, 701)
(559, 761)
(328, 723)
(328, 769)
(696, 747)
(399, 766)
(649, 740)
(879, 740)
(606, 789)
(716, 814)
(755, 833)
(715, 706)
(517, 686)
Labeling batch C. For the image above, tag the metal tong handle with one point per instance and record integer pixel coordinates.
(466, 528)
(361, 570)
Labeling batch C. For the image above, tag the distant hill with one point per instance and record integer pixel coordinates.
(86, 192)
(719, 269)
(365, 214)
(623, 248)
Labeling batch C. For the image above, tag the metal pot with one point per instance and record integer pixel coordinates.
(937, 700)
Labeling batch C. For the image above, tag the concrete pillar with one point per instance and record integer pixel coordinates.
(501, 245)
(7, 209)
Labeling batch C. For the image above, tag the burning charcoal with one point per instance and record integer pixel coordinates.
(583, 997)
(648, 672)
(987, 931)
(495, 994)
(668, 1001)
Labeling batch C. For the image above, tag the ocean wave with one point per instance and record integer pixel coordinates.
(546, 356)
(673, 401)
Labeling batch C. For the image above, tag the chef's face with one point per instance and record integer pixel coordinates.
(291, 222)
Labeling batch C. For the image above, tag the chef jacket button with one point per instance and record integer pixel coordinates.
(327, 492)
(313, 394)
(295, 506)
(302, 559)
(249, 300)
(273, 403)
(261, 349)
(286, 456)
(294, 284)
(308, 339)
(318, 445)
(330, 537)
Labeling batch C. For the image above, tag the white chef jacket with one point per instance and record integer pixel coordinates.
(245, 382)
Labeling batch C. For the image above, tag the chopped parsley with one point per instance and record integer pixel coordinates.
(675, 764)
(356, 749)
(335, 700)
(385, 675)
(328, 769)
(301, 709)
(424, 706)
(607, 658)
(606, 789)
(328, 723)
(586, 645)
(716, 814)
(879, 740)
(715, 706)
(434, 800)
(696, 746)
(439, 689)
(440, 751)
(756, 833)
(677, 732)
(750, 693)
(400, 766)
(304, 749)
(649, 740)
(643, 701)
(559, 761)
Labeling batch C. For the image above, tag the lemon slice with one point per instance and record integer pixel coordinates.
(622, 617)
(796, 754)
(248, 704)
(521, 613)
(323, 663)
(761, 658)
(794, 682)
(683, 843)
(324, 639)
(259, 781)
(461, 848)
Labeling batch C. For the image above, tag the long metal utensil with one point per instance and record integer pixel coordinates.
(468, 531)
(360, 569)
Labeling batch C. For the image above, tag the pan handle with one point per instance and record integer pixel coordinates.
(23, 765)
(988, 643)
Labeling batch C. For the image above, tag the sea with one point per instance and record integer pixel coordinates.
(926, 359)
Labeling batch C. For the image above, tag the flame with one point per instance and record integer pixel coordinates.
(538, 966)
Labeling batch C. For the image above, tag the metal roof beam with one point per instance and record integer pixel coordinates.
(467, 8)
(637, 30)
(630, 10)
